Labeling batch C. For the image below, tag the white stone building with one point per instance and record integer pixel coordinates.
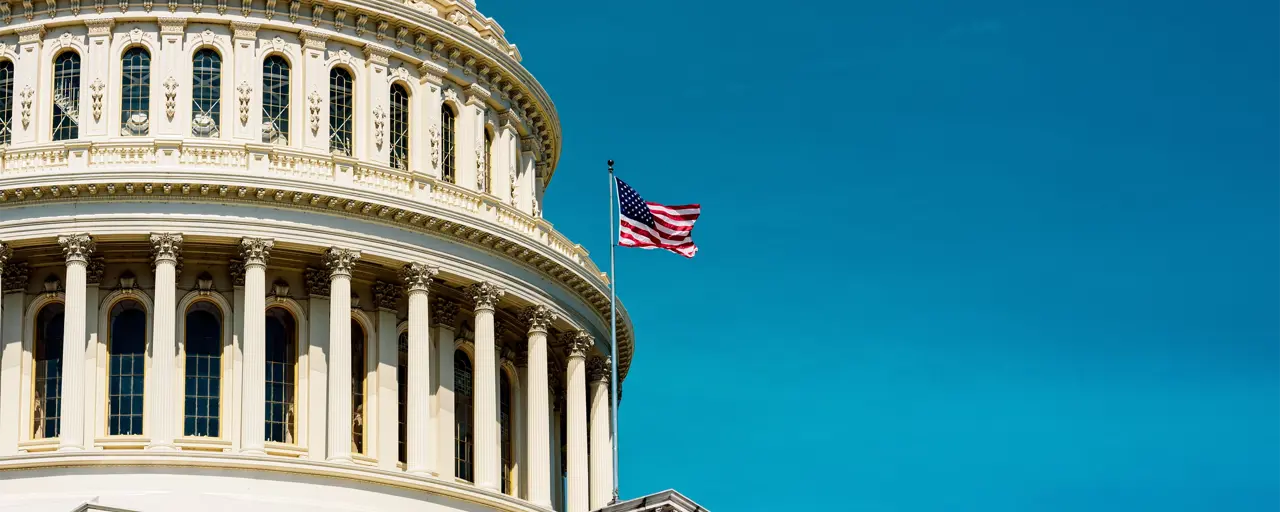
(289, 256)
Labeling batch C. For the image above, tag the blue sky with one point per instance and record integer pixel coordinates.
(989, 256)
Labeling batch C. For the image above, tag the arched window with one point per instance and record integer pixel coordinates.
(402, 385)
(203, 345)
(486, 174)
(358, 374)
(282, 338)
(275, 100)
(206, 93)
(127, 345)
(6, 102)
(448, 122)
(46, 402)
(341, 91)
(399, 127)
(464, 456)
(66, 96)
(504, 422)
(135, 92)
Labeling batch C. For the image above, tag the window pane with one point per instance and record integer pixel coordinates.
(399, 127)
(462, 404)
(127, 345)
(504, 423)
(47, 399)
(486, 173)
(6, 102)
(66, 96)
(402, 385)
(206, 93)
(281, 357)
(135, 92)
(447, 125)
(275, 100)
(358, 374)
(203, 343)
(341, 88)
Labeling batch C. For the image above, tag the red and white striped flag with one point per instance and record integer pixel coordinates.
(654, 226)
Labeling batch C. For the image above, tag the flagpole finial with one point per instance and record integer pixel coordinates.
(611, 167)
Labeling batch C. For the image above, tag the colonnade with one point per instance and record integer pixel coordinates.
(589, 455)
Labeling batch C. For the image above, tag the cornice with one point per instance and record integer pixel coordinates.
(279, 195)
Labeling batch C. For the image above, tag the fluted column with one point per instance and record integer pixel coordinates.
(162, 416)
(339, 263)
(418, 442)
(77, 248)
(601, 447)
(539, 319)
(577, 344)
(255, 252)
(488, 461)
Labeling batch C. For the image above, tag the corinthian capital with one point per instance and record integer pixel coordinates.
(485, 295)
(386, 295)
(77, 247)
(417, 276)
(577, 343)
(340, 261)
(598, 369)
(16, 276)
(256, 251)
(165, 247)
(443, 312)
(538, 318)
(5, 253)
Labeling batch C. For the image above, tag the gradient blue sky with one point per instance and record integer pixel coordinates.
(982, 255)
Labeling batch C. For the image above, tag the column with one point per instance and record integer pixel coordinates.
(539, 319)
(443, 313)
(470, 138)
(576, 346)
(488, 461)
(377, 148)
(15, 277)
(162, 417)
(95, 362)
(432, 80)
(77, 248)
(26, 80)
(317, 284)
(339, 263)
(315, 136)
(94, 77)
(387, 434)
(418, 443)
(246, 111)
(255, 252)
(601, 448)
(166, 91)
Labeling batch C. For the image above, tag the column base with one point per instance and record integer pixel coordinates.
(162, 447)
(70, 448)
(253, 451)
(341, 459)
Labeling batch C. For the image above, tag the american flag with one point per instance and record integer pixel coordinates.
(654, 226)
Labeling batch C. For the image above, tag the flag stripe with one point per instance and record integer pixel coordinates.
(649, 225)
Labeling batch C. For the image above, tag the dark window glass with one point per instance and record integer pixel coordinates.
(66, 96)
(504, 422)
(447, 126)
(275, 100)
(399, 127)
(282, 334)
(135, 92)
(402, 385)
(203, 345)
(206, 93)
(47, 400)
(341, 91)
(486, 174)
(464, 455)
(127, 344)
(358, 374)
(6, 102)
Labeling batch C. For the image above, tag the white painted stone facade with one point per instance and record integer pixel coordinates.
(171, 208)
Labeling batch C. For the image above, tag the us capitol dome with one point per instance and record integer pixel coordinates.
(273, 255)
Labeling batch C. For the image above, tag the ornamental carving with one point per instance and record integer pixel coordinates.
(97, 268)
(316, 282)
(339, 262)
(485, 295)
(170, 97)
(482, 174)
(256, 251)
(26, 105)
(236, 269)
(245, 90)
(425, 7)
(418, 276)
(434, 134)
(539, 318)
(443, 312)
(315, 100)
(458, 18)
(5, 253)
(598, 369)
(77, 247)
(577, 343)
(166, 246)
(16, 276)
(96, 94)
(515, 188)
(379, 125)
(386, 295)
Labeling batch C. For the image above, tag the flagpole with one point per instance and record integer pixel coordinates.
(613, 328)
